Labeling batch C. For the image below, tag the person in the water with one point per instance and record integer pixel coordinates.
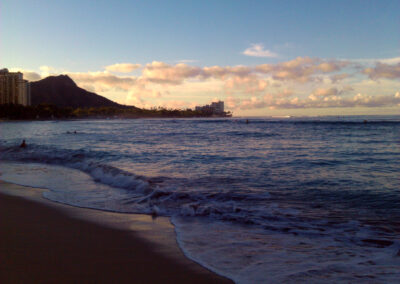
(23, 144)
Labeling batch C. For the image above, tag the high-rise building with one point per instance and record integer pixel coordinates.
(218, 107)
(215, 108)
(14, 89)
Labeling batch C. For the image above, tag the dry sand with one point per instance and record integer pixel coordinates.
(41, 243)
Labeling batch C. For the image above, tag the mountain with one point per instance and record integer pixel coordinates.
(63, 92)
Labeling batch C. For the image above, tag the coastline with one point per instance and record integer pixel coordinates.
(110, 118)
(44, 242)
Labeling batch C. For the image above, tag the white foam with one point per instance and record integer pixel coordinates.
(247, 254)
(250, 255)
(65, 185)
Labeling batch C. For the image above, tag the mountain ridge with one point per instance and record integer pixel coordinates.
(62, 91)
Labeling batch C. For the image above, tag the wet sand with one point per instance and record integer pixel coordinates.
(42, 244)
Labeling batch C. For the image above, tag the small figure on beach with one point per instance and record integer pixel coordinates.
(23, 144)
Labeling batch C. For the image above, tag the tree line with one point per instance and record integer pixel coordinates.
(49, 111)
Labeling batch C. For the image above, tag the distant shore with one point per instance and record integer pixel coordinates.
(49, 111)
(106, 117)
(41, 244)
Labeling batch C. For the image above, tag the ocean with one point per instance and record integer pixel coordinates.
(275, 200)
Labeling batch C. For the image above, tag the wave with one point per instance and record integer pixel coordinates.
(248, 220)
(168, 196)
(82, 160)
(161, 194)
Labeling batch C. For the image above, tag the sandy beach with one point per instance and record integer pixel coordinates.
(42, 244)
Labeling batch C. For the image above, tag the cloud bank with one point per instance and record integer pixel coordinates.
(302, 82)
(325, 99)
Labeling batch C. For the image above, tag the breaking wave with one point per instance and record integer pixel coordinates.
(287, 200)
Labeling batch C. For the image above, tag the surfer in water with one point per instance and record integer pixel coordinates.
(23, 144)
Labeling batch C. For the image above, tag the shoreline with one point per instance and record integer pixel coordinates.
(114, 118)
(43, 241)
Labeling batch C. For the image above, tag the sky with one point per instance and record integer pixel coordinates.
(262, 58)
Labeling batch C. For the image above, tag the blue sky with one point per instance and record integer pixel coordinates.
(83, 37)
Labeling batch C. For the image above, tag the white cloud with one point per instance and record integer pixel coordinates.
(46, 70)
(257, 50)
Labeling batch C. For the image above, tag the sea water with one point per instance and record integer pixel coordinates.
(275, 200)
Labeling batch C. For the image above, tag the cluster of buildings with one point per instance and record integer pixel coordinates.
(216, 108)
(14, 89)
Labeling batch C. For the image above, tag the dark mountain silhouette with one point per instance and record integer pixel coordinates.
(63, 92)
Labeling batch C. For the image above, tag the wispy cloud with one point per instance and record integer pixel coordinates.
(339, 77)
(392, 60)
(301, 69)
(187, 61)
(28, 75)
(102, 81)
(382, 70)
(32, 76)
(257, 50)
(163, 73)
(123, 67)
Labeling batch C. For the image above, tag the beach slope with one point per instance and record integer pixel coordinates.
(40, 244)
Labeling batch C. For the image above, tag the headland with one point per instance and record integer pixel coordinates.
(59, 97)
